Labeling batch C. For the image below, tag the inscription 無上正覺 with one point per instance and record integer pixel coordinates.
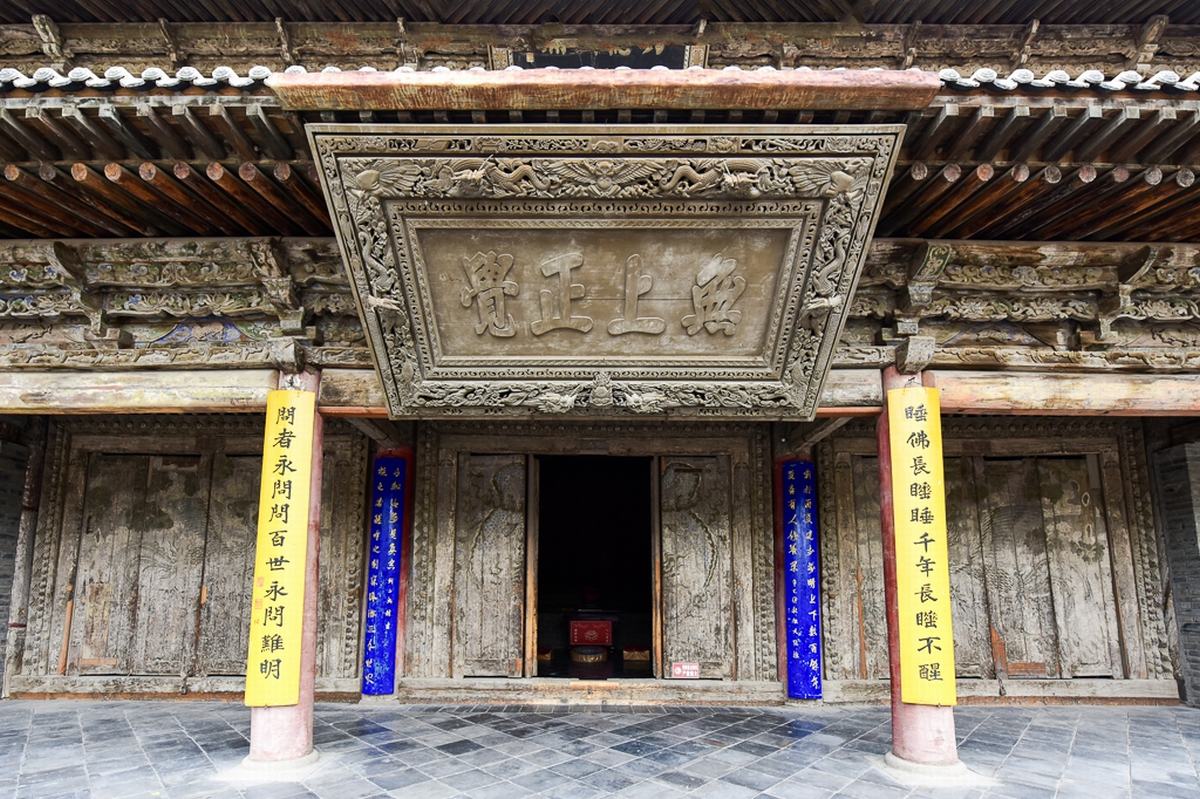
(717, 288)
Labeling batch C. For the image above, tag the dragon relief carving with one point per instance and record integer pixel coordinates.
(844, 177)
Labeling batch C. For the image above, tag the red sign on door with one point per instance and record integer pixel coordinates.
(685, 670)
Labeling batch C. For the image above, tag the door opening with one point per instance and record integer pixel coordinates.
(595, 567)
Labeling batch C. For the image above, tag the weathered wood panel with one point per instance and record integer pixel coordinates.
(489, 566)
(1015, 547)
(969, 601)
(1043, 553)
(868, 575)
(343, 542)
(1064, 393)
(98, 578)
(228, 566)
(697, 588)
(169, 559)
(151, 540)
(1080, 570)
(163, 391)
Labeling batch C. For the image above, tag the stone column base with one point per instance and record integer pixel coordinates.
(954, 774)
(254, 772)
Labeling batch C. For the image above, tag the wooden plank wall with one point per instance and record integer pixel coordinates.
(144, 550)
(1055, 569)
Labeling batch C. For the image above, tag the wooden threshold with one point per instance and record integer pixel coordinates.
(1032, 692)
(553, 690)
(60, 686)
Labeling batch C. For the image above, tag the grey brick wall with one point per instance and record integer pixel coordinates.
(12, 478)
(1177, 471)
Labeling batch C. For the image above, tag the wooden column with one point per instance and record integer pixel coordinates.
(18, 613)
(921, 734)
(285, 734)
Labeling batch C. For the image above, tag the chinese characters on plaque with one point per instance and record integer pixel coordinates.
(490, 282)
(389, 481)
(922, 567)
(802, 579)
(281, 551)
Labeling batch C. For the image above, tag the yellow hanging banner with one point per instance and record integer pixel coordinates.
(922, 558)
(281, 551)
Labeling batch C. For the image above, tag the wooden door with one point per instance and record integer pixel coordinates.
(103, 577)
(968, 592)
(1080, 568)
(489, 566)
(968, 602)
(228, 566)
(870, 609)
(1018, 570)
(697, 574)
(140, 550)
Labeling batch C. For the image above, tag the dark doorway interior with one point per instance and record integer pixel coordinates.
(595, 567)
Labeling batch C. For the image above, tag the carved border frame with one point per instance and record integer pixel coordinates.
(365, 168)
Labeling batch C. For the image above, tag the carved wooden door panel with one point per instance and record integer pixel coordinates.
(1018, 570)
(971, 645)
(697, 566)
(100, 575)
(870, 608)
(228, 566)
(138, 562)
(969, 603)
(343, 545)
(489, 566)
(1081, 569)
(171, 557)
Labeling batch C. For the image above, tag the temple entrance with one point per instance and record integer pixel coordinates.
(639, 538)
(595, 573)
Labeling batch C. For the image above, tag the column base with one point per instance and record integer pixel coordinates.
(954, 774)
(252, 772)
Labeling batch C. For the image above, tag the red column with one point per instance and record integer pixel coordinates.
(286, 733)
(921, 734)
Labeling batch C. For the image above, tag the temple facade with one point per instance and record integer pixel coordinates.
(604, 307)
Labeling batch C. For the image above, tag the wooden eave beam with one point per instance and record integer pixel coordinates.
(146, 391)
(1066, 394)
(562, 89)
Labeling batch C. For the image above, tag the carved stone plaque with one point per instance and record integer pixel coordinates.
(627, 269)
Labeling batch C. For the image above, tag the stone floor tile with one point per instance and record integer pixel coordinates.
(574, 752)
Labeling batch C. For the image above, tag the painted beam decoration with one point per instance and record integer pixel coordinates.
(802, 579)
(281, 551)
(388, 507)
(927, 674)
(557, 269)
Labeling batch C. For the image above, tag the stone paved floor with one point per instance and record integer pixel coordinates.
(148, 749)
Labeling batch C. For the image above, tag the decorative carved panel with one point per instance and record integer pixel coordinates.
(565, 268)
(147, 529)
(697, 575)
(1052, 552)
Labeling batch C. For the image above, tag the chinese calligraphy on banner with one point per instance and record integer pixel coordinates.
(383, 573)
(281, 551)
(802, 576)
(922, 568)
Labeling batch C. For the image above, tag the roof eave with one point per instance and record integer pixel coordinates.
(563, 89)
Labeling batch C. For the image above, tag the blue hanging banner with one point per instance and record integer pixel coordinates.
(802, 579)
(389, 481)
